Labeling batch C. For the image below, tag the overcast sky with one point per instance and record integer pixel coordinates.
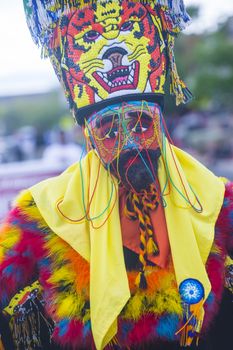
(23, 71)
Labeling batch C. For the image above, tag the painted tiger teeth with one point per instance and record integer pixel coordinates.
(127, 72)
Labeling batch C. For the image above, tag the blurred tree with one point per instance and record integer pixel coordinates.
(206, 63)
(193, 11)
(42, 111)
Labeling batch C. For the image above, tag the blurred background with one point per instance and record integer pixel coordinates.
(38, 137)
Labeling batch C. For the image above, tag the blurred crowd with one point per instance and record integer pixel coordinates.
(53, 146)
(208, 137)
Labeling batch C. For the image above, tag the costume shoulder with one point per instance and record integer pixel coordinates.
(225, 219)
(21, 247)
(30, 254)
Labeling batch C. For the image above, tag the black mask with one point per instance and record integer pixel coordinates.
(136, 170)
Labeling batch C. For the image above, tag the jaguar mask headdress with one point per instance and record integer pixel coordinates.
(109, 51)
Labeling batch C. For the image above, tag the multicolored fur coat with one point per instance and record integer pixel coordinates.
(44, 288)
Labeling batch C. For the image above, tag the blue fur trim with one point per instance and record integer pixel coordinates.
(167, 327)
(87, 329)
(63, 326)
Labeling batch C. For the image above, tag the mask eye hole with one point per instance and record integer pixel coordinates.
(127, 26)
(112, 134)
(92, 35)
(140, 122)
(139, 129)
(107, 127)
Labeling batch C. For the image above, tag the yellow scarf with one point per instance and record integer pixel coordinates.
(63, 201)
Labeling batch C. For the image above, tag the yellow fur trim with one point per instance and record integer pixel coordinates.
(216, 249)
(69, 305)
(9, 236)
(27, 205)
(133, 309)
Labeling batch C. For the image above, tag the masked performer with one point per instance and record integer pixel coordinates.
(130, 247)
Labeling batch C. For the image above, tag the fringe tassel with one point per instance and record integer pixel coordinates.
(43, 15)
(27, 318)
(141, 280)
(26, 325)
(151, 247)
(177, 86)
(193, 319)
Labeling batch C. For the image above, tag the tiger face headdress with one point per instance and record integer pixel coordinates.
(108, 51)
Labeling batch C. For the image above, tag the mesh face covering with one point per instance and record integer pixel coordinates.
(127, 138)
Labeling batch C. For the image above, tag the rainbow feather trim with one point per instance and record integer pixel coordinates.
(155, 314)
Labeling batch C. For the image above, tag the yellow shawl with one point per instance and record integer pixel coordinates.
(63, 201)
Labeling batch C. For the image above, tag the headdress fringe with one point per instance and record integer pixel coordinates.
(42, 15)
(177, 86)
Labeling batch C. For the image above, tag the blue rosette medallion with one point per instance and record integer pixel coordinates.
(192, 296)
(191, 291)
